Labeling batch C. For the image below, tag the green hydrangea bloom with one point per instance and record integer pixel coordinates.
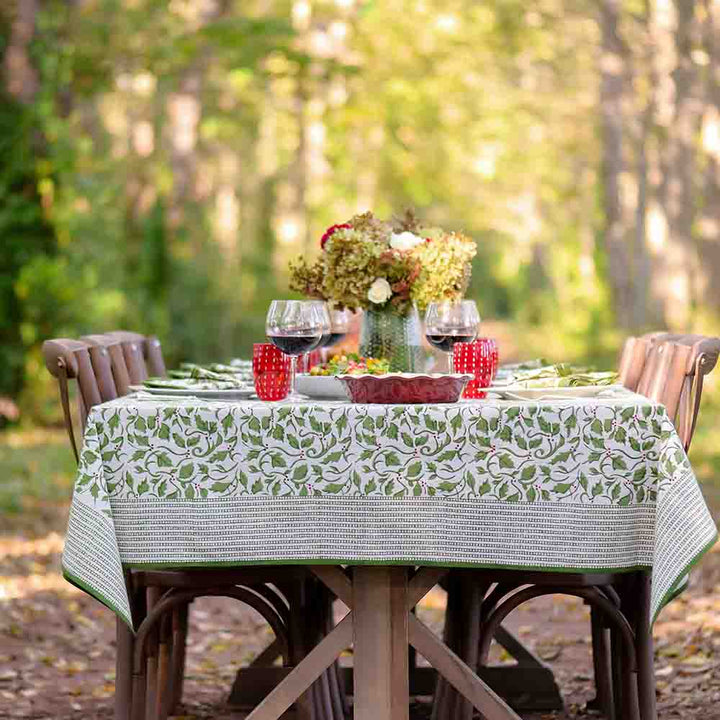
(354, 257)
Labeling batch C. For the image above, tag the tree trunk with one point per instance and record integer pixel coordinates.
(22, 80)
(644, 313)
(709, 225)
(676, 277)
(615, 175)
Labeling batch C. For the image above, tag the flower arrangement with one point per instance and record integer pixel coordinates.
(371, 264)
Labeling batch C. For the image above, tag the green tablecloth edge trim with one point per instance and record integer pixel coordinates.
(669, 596)
(678, 586)
(408, 563)
(74, 580)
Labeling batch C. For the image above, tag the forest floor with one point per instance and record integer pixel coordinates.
(57, 644)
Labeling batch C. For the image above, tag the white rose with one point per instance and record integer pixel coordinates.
(404, 240)
(379, 291)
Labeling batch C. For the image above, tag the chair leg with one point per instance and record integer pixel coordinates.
(629, 606)
(123, 670)
(139, 691)
(630, 707)
(644, 649)
(165, 689)
(469, 640)
(625, 678)
(602, 665)
(179, 646)
(151, 655)
(138, 674)
(639, 594)
(617, 671)
(444, 699)
(298, 594)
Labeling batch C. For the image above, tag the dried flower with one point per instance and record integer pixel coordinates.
(330, 231)
(445, 268)
(308, 279)
(404, 240)
(380, 291)
(367, 263)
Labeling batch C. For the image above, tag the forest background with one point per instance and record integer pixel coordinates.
(160, 163)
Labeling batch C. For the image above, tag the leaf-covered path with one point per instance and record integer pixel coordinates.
(56, 644)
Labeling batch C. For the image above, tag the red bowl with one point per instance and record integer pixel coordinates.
(404, 388)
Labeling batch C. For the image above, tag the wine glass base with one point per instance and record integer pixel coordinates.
(296, 397)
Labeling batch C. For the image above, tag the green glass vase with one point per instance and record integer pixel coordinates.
(397, 338)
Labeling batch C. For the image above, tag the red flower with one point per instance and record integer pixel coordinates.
(330, 231)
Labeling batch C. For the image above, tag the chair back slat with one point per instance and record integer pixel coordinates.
(155, 360)
(102, 367)
(625, 361)
(87, 382)
(632, 362)
(666, 382)
(116, 359)
(133, 345)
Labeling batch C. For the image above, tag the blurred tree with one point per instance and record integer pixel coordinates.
(175, 156)
(25, 233)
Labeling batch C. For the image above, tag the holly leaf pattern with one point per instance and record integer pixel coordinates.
(619, 452)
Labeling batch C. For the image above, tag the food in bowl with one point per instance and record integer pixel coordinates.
(352, 364)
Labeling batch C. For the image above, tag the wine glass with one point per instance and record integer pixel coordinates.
(339, 327)
(447, 323)
(294, 327)
(322, 313)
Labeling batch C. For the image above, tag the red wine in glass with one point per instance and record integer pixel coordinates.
(448, 323)
(295, 344)
(331, 339)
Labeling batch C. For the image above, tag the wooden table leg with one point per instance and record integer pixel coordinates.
(380, 652)
(644, 644)
(382, 688)
(306, 672)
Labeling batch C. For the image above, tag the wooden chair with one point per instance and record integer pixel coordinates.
(668, 369)
(676, 367)
(143, 354)
(150, 666)
(632, 361)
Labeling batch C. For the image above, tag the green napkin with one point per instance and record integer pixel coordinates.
(563, 375)
(195, 383)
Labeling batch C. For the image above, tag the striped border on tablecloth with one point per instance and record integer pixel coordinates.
(450, 532)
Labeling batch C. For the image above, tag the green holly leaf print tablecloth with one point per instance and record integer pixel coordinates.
(581, 485)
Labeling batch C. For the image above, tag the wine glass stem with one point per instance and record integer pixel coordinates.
(293, 370)
(451, 363)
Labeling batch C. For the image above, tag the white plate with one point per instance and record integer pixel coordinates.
(517, 392)
(322, 387)
(208, 393)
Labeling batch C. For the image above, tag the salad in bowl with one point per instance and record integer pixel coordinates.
(351, 364)
(323, 383)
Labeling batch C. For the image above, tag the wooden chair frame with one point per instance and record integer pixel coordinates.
(668, 369)
(153, 691)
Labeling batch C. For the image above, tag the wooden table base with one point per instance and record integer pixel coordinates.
(380, 626)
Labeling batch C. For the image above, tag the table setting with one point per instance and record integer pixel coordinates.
(370, 458)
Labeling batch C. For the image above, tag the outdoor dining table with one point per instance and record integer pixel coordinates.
(396, 492)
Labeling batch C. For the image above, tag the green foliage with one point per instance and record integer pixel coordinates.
(173, 161)
(26, 236)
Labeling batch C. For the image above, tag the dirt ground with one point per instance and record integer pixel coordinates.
(57, 644)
